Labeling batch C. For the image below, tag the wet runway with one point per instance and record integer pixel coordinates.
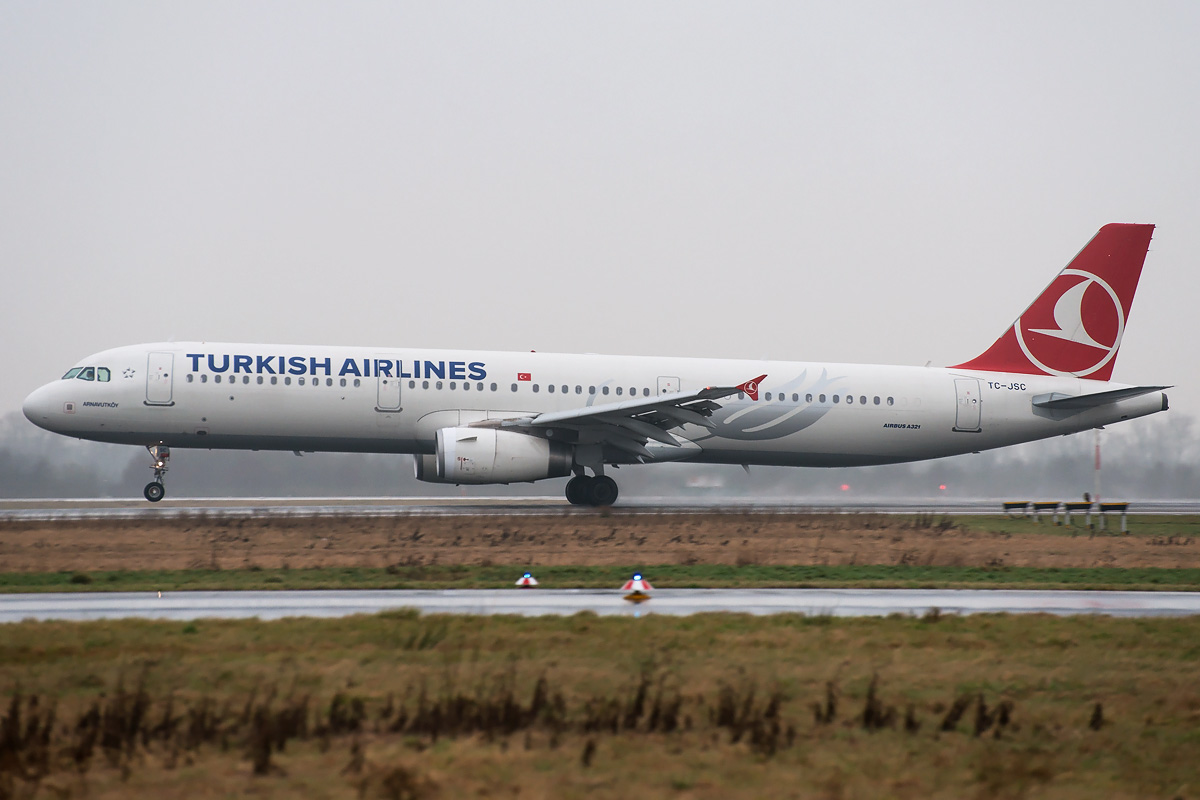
(258, 507)
(541, 602)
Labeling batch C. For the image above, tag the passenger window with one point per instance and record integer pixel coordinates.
(768, 395)
(287, 381)
(342, 382)
(204, 378)
(836, 398)
(604, 390)
(890, 401)
(821, 398)
(632, 391)
(72, 372)
(578, 390)
(808, 398)
(619, 391)
(646, 391)
(536, 388)
(795, 397)
(245, 379)
(782, 397)
(741, 395)
(479, 387)
(88, 374)
(217, 378)
(514, 387)
(190, 377)
(876, 399)
(274, 380)
(102, 374)
(550, 388)
(357, 382)
(453, 385)
(329, 381)
(862, 399)
(298, 380)
(850, 399)
(260, 380)
(424, 384)
(466, 386)
(591, 390)
(438, 385)
(411, 384)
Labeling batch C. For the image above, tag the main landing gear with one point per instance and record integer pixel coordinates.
(155, 490)
(598, 491)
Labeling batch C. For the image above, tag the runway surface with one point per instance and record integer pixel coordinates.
(257, 507)
(541, 602)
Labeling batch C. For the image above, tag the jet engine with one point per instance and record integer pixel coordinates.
(487, 455)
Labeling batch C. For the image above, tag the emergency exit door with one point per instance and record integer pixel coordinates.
(388, 389)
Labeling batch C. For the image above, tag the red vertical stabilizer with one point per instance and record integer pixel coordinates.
(1074, 327)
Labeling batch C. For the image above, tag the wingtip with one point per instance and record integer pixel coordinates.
(750, 387)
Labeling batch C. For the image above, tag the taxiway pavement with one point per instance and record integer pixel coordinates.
(541, 602)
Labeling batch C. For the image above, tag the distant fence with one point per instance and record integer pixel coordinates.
(1064, 509)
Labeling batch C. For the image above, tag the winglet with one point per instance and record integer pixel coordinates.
(750, 387)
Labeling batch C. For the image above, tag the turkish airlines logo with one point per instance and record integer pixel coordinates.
(1074, 327)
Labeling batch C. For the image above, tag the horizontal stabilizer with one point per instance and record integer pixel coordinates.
(1066, 402)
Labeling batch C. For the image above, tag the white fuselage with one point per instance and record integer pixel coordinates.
(387, 400)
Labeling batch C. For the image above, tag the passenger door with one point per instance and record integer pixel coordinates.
(159, 379)
(967, 417)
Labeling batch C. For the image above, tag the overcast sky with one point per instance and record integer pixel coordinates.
(876, 181)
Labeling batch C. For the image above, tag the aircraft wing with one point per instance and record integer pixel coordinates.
(628, 425)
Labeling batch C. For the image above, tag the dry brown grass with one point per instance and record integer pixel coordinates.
(399, 705)
(611, 538)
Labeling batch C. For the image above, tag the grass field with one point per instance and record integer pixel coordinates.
(713, 706)
(593, 549)
(461, 576)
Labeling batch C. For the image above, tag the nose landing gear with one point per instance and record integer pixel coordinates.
(155, 490)
(598, 491)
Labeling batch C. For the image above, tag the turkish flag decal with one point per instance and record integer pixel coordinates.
(524, 376)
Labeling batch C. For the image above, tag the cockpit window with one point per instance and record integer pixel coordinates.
(103, 374)
(72, 372)
(88, 374)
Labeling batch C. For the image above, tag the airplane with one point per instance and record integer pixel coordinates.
(478, 417)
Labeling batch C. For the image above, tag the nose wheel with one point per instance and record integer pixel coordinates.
(597, 491)
(155, 490)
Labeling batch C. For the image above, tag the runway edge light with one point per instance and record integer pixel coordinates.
(527, 581)
(638, 587)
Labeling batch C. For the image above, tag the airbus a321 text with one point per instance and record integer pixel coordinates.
(476, 417)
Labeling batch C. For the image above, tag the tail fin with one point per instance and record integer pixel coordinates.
(1075, 325)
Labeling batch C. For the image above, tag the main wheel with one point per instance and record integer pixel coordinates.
(603, 491)
(154, 491)
(579, 490)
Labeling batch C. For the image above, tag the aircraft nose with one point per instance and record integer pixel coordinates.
(40, 407)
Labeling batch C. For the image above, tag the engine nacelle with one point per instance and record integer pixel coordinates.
(487, 455)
